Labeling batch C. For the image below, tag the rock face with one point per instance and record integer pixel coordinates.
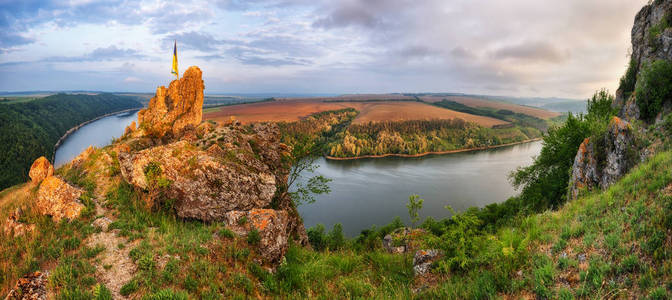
(213, 173)
(206, 184)
(602, 161)
(646, 48)
(175, 108)
(271, 226)
(58, 199)
(40, 170)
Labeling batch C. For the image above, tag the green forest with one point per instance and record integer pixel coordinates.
(29, 130)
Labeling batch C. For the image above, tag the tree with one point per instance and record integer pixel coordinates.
(414, 205)
(302, 160)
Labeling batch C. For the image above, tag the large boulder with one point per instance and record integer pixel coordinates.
(40, 170)
(271, 226)
(601, 161)
(58, 199)
(32, 286)
(205, 187)
(238, 172)
(584, 170)
(619, 142)
(175, 108)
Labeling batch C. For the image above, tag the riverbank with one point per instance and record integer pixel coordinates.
(74, 129)
(432, 153)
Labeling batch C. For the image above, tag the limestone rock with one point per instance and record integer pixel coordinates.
(204, 187)
(584, 170)
(271, 225)
(590, 169)
(40, 170)
(395, 242)
(619, 142)
(14, 227)
(58, 199)
(175, 108)
(32, 286)
(646, 48)
(423, 259)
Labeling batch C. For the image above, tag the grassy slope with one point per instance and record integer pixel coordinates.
(622, 232)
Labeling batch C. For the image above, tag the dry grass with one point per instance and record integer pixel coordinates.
(478, 102)
(294, 109)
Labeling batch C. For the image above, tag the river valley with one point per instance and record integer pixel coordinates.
(370, 192)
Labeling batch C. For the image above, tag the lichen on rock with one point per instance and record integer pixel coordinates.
(602, 160)
(58, 199)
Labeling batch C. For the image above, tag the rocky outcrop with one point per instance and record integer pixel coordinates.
(14, 226)
(173, 109)
(213, 173)
(32, 286)
(58, 199)
(207, 184)
(423, 259)
(584, 170)
(647, 47)
(600, 161)
(270, 225)
(40, 170)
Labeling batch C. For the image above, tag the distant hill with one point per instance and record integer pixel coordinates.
(29, 130)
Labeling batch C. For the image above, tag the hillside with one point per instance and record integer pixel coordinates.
(30, 130)
(181, 208)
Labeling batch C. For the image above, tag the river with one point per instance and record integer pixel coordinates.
(97, 133)
(370, 192)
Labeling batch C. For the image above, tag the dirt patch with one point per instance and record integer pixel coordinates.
(115, 267)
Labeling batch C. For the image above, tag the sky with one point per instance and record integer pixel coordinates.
(566, 48)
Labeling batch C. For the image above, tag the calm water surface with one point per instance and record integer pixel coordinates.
(98, 133)
(373, 191)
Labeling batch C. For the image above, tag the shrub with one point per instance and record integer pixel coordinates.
(653, 88)
(336, 240)
(101, 292)
(253, 238)
(316, 237)
(227, 233)
(129, 288)
(627, 84)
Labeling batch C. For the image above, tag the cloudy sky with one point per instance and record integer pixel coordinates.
(565, 48)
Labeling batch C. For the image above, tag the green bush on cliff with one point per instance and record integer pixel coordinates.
(628, 81)
(654, 88)
(544, 183)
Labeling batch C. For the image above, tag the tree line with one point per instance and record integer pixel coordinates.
(30, 130)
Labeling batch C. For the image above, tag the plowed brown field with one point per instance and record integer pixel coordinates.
(295, 109)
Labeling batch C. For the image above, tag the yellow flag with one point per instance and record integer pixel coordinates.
(174, 68)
